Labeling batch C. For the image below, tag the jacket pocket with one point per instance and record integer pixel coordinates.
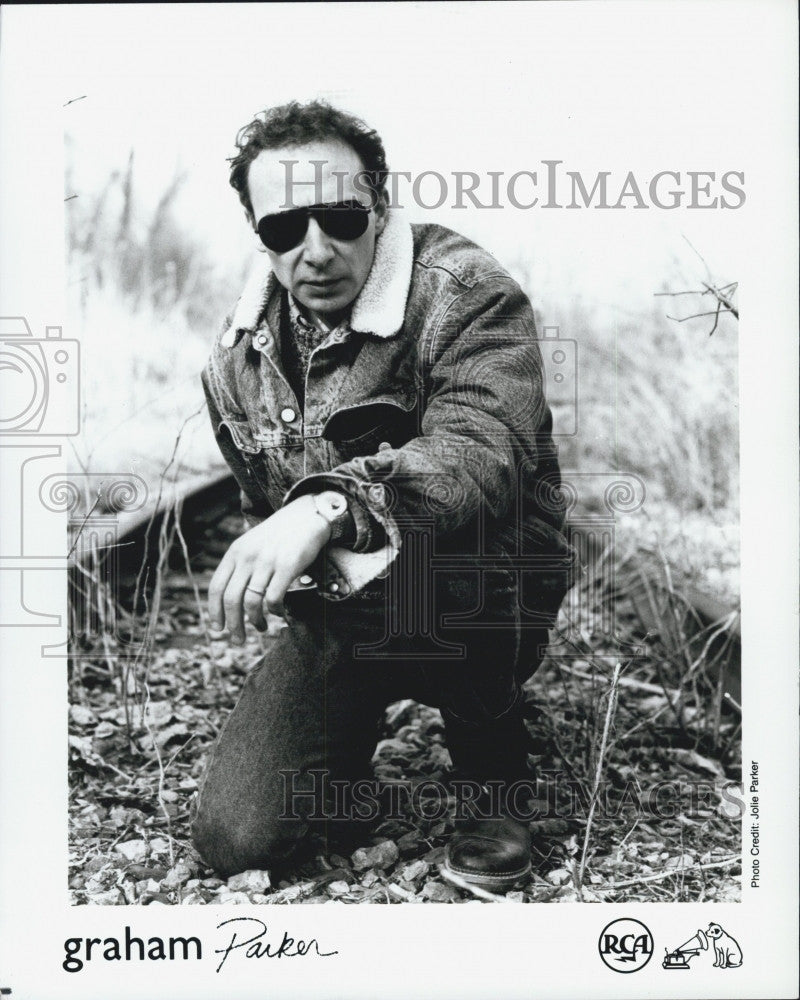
(362, 428)
(242, 434)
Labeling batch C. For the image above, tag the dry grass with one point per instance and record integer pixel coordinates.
(656, 399)
(145, 302)
(632, 776)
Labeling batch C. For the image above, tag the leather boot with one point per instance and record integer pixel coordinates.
(494, 853)
(489, 847)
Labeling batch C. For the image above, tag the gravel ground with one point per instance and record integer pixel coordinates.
(665, 824)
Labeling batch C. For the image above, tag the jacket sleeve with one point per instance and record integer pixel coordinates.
(255, 508)
(483, 406)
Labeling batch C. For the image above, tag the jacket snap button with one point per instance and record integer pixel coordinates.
(305, 579)
(384, 446)
(288, 415)
(377, 496)
(334, 588)
(261, 340)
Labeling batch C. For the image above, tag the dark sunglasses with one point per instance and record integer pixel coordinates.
(343, 220)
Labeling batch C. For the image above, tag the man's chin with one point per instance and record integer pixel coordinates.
(326, 300)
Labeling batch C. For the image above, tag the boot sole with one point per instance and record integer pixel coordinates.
(493, 883)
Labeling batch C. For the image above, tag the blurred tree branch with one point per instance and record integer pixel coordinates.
(722, 293)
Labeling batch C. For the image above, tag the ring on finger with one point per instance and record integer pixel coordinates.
(254, 591)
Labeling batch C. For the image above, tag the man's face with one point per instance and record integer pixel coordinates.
(324, 274)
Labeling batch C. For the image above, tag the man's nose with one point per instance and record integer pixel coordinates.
(317, 248)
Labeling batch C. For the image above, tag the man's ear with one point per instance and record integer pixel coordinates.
(381, 209)
(251, 224)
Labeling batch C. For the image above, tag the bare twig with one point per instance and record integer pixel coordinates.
(672, 871)
(683, 319)
(732, 702)
(712, 312)
(161, 775)
(723, 299)
(732, 285)
(628, 682)
(697, 252)
(79, 532)
(193, 580)
(612, 701)
(722, 293)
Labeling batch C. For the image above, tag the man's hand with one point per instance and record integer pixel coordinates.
(260, 565)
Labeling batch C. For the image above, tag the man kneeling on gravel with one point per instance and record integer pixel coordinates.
(377, 393)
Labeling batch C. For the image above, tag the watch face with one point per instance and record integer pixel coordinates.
(333, 507)
(337, 504)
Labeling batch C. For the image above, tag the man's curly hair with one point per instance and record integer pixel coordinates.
(296, 124)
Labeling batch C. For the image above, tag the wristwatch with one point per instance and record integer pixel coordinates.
(332, 507)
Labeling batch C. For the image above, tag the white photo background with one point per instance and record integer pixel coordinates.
(157, 250)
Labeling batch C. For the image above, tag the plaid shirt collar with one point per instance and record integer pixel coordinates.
(307, 331)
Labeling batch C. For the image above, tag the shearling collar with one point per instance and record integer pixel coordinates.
(380, 306)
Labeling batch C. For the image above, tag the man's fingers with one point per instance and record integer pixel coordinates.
(216, 592)
(282, 545)
(276, 591)
(232, 603)
(254, 600)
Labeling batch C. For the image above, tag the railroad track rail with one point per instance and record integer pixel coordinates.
(670, 727)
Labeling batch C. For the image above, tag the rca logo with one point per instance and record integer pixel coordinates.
(625, 945)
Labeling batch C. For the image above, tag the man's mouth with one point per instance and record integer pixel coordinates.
(320, 284)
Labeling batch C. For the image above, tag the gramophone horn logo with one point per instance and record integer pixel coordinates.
(727, 953)
(679, 958)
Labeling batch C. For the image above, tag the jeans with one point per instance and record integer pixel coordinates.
(316, 699)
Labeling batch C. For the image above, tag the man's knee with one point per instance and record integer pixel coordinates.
(232, 843)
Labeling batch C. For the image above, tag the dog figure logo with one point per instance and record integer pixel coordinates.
(727, 953)
(40, 391)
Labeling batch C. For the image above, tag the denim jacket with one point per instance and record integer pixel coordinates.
(427, 408)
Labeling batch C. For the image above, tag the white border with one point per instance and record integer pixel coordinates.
(470, 950)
